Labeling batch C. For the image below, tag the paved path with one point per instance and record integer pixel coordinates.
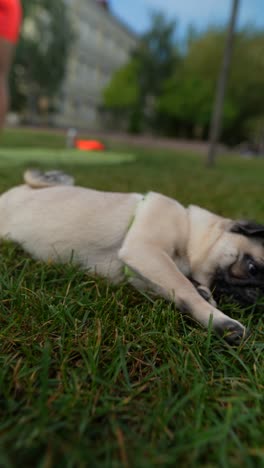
(153, 142)
(143, 141)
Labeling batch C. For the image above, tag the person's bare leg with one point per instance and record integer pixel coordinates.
(6, 55)
(3, 100)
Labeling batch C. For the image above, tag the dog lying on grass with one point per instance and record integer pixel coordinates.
(160, 246)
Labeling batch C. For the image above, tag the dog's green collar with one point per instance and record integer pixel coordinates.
(128, 273)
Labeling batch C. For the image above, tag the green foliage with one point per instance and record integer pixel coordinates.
(133, 90)
(157, 55)
(189, 95)
(118, 96)
(41, 55)
(175, 95)
(247, 80)
(96, 375)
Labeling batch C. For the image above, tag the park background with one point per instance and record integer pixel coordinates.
(93, 375)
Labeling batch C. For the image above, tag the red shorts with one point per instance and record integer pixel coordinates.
(10, 20)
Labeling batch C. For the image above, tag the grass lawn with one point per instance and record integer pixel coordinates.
(38, 156)
(97, 376)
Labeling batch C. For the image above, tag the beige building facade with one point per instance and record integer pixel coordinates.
(102, 44)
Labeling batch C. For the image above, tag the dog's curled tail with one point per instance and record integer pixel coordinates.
(38, 179)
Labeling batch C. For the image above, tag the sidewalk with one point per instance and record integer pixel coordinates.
(143, 141)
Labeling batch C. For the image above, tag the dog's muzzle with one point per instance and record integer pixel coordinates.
(246, 294)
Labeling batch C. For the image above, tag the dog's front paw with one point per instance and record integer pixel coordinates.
(232, 331)
(206, 294)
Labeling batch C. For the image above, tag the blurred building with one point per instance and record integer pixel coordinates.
(102, 44)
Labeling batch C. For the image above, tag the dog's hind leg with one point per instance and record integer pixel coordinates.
(38, 179)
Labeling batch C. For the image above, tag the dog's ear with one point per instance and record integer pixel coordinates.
(248, 228)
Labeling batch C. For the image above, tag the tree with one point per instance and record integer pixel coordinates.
(215, 129)
(188, 95)
(41, 55)
(173, 93)
(119, 96)
(135, 88)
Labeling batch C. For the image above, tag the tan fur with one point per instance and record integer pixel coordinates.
(165, 244)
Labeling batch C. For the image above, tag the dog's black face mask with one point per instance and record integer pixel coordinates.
(243, 281)
(245, 292)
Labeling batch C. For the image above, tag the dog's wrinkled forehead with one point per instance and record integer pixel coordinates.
(251, 241)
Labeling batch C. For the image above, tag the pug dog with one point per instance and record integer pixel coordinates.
(152, 241)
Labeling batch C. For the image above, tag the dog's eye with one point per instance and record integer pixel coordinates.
(252, 269)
